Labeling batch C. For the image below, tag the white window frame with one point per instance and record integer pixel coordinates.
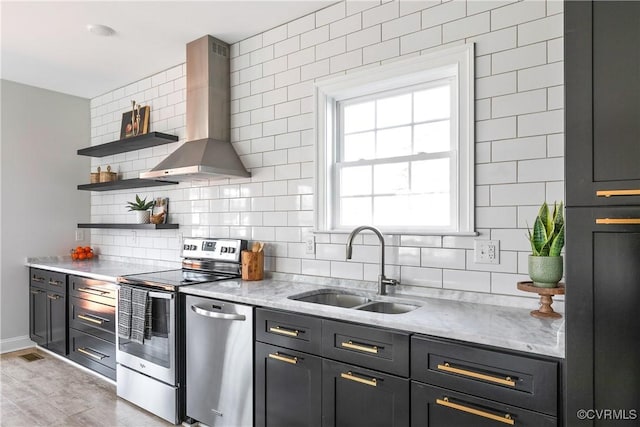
(436, 65)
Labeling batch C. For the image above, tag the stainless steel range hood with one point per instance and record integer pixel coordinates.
(208, 153)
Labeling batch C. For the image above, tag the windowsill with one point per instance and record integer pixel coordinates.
(405, 233)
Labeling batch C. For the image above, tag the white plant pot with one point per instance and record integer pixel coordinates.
(143, 217)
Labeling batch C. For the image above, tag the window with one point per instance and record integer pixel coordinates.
(395, 146)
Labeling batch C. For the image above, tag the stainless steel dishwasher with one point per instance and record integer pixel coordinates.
(219, 356)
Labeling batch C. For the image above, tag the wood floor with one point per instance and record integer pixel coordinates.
(51, 392)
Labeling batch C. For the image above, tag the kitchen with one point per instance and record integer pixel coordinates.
(519, 132)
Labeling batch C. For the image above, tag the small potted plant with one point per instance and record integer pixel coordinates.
(141, 208)
(547, 241)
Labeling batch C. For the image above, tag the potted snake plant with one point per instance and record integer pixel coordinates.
(547, 241)
(141, 208)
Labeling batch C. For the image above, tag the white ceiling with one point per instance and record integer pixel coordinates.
(46, 44)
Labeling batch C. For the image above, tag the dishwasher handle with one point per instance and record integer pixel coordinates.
(215, 314)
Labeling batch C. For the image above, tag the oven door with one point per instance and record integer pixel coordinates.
(156, 357)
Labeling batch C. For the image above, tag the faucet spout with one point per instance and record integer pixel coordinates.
(383, 282)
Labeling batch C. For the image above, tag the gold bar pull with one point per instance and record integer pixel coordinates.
(609, 193)
(506, 418)
(91, 319)
(37, 279)
(504, 381)
(91, 353)
(54, 297)
(618, 221)
(352, 346)
(373, 382)
(287, 359)
(284, 331)
(36, 291)
(55, 282)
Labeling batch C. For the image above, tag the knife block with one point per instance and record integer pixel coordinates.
(252, 265)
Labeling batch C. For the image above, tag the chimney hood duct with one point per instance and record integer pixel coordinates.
(208, 153)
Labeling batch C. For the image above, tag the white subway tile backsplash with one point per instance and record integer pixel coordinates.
(344, 26)
(541, 123)
(330, 14)
(317, 36)
(519, 103)
(542, 76)
(472, 281)
(301, 25)
(345, 61)
(274, 66)
(495, 173)
(519, 149)
(443, 258)
(287, 46)
(379, 14)
(420, 276)
(488, 130)
(529, 170)
(274, 35)
(519, 58)
(496, 217)
(499, 84)
(347, 270)
(517, 13)
(445, 12)
(331, 48)
(360, 5)
(401, 26)
(380, 52)
(555, 145)
(420, 40)
(543, 29)
(314, 70)
(467, 27)
(365, 37)
(301, 57)
(517, 194)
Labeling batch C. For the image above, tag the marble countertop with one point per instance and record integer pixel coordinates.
(95, 269)
(490, 324)
(505, 327)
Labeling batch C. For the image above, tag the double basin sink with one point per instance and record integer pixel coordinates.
(339, 298)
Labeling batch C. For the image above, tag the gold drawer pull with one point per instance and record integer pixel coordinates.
(36, 291)
(54, 297)
(287, 359)
(369, 349)
(91, 353)
(284, 331)
(503, 381)
(503, 419)
(37, 279)
(93, 291)
(609, 193)
(373, 382)
(55, 282)
(92, 319)
(618, 221)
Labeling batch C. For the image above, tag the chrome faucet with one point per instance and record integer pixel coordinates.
(383, 282)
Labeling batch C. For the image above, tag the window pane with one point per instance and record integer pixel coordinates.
(359, 117)
(359, 146)
(391, 178)
(355, 210)
(429, 210)
(432, 137)
(394, 111)
(432, 104)
(391, 210)
(355, 181)
(394, 142)
(430, 176)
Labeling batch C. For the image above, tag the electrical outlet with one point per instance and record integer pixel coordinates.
(486, 251)
(79, 235)
(310, 245)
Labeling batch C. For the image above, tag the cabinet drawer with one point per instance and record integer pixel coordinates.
(438, 407)
(92, 352)
(517, 380)
(93, 290)
(93, 318)
(50, 280)
(295, 331)
(374, 348)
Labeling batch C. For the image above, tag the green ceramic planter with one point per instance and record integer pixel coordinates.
(545, 271)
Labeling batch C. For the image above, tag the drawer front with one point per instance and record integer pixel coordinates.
(438, 407)
(50, 280)
(522, 381)
(375, 348)
(91, 351)
(93, 290)
(93, 318)
(295, 331)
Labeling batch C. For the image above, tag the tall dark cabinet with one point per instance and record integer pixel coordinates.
(602, 84)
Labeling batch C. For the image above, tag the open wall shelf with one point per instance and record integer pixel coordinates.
(132, 226)
(124, 184)
(133, 143)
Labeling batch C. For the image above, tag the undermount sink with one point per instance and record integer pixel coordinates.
(387, 307)
(333, 298)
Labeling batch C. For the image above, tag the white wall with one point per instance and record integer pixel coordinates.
(41, 131)
(519, 140)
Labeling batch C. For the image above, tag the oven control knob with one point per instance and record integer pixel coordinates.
(232, 250)
(224, 250)
(193, 247)
(186, 247)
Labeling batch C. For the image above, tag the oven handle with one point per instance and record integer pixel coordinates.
(216, 315)
(160, 295)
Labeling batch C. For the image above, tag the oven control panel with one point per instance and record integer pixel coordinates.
(214, 249)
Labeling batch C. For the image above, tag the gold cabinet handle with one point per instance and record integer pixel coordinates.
(284, 331)
(287, 359)
(618, 221)
(37, 279)
(504, 381)
(373, 382)
(93, 291)
(92, 319)
(54, 297)
(36, 291)
(360, 347)
(609, 193)
(506, 418)
(91, 353)
(55, 282)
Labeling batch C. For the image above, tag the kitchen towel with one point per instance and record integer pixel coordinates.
(140, 315)
(124, 312)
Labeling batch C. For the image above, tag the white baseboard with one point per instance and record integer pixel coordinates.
(15, 343)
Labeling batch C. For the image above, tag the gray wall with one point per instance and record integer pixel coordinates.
(40, 207)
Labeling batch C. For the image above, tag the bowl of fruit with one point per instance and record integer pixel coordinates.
(82, 253)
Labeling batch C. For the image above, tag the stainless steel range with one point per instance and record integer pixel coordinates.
(150, 324)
